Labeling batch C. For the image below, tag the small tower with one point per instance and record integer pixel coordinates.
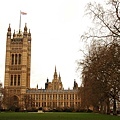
(56, 82)
(46, 84)
(75, 85)
(25, 29)
(37, 86)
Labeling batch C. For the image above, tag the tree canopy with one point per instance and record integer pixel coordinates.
(101, 64)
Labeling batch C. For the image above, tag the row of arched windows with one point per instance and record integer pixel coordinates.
(16, 59)
(15, 80)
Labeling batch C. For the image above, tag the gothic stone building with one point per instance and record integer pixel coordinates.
(17, 79)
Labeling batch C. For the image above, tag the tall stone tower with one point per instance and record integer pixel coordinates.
(17, 65)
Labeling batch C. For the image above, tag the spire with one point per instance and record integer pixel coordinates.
(29, 33)
(75, 85)
(9, 32)
(25, 28)
(55, 68)
(9, 28)
(47, 80)
(19, 31)
(59, 76)
(14, 34)
(55, 73)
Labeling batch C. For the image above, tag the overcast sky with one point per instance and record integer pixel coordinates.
(56, 27)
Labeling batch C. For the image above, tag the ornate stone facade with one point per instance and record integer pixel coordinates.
(17, 78)
(17, 66)
(54, 96)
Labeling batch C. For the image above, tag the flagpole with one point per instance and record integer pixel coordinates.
(20, 21)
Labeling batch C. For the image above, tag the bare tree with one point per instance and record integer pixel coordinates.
(101, 66)
(106, 20)
(29, 102)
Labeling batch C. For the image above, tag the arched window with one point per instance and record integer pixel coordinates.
(18, 80)
(15, 80)
(19, 61)
(12, 62)
(11, 81)
(15, 58)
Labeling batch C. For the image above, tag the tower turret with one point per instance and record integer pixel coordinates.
(59, 77)
(9, 32)
(14, 34)
(75, 85)
(46, 84)
(25, 30)
(29, 35)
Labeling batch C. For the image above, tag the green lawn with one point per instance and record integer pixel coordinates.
(55, 116)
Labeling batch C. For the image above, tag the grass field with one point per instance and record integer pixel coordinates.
(56, 116)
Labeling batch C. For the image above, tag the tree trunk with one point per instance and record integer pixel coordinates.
(114, 107)
(101, 108)
(108, 106)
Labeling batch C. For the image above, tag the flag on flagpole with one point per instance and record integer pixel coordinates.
(23, 13)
